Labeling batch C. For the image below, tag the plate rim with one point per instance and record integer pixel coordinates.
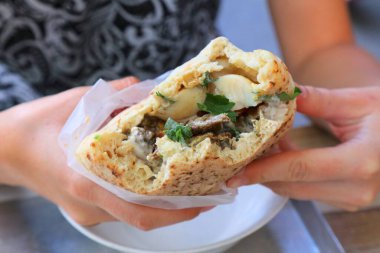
(91, 235)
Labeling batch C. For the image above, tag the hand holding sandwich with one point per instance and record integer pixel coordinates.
(347, 175)
(30, 157)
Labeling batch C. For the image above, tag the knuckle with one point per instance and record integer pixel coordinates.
(298, 170)
(367, 169)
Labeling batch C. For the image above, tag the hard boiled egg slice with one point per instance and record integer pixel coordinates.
(237, 89)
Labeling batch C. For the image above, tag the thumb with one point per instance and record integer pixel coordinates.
(124, 82)
(331, 104)
(119, 84)
(76, 94)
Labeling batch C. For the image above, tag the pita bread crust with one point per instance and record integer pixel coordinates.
(200, 169)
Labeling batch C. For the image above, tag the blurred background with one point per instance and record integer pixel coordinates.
(248, 24)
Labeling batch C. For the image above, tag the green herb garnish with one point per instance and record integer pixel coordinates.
(159, 94)
(207, 79)
(97, 137)
(218, 104)
(283, 96)
(177, 132)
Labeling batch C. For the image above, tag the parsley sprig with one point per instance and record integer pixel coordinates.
(207, 79)
(218, 104)
(159, 94)
(177, 132)
(283, 96)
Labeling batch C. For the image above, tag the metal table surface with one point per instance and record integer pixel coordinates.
(34, 225)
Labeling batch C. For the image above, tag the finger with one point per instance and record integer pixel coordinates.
(322, 164)
(355, 194)
(332, 104)
(124, 82)
(77, 93)
(142, 217)
(86, 215)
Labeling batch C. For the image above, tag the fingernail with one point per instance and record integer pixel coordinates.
(237, 181)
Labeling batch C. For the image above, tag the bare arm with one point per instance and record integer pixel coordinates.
(319, 49)
(30, 157)
(318, 44)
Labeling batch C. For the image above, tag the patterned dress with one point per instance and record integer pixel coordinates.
(47, 46)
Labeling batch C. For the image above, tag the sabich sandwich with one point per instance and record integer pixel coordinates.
(212, 116)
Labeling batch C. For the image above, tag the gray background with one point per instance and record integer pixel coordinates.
(248, 24)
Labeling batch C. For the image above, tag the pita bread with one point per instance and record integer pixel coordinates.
(116, 152)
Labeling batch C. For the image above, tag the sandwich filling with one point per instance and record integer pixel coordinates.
(221, 108)
(208, 119)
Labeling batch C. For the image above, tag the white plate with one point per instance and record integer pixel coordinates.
(212, 231)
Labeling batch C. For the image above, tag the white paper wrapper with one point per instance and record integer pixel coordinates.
(92, 111)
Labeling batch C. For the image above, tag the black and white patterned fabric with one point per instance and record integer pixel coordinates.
(47, 46)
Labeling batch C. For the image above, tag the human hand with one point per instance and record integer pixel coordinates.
(30, 157)
(347, 175)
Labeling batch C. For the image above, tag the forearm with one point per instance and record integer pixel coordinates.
(13, 90)
(318, 44)
(8, 175)
(344, 65)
